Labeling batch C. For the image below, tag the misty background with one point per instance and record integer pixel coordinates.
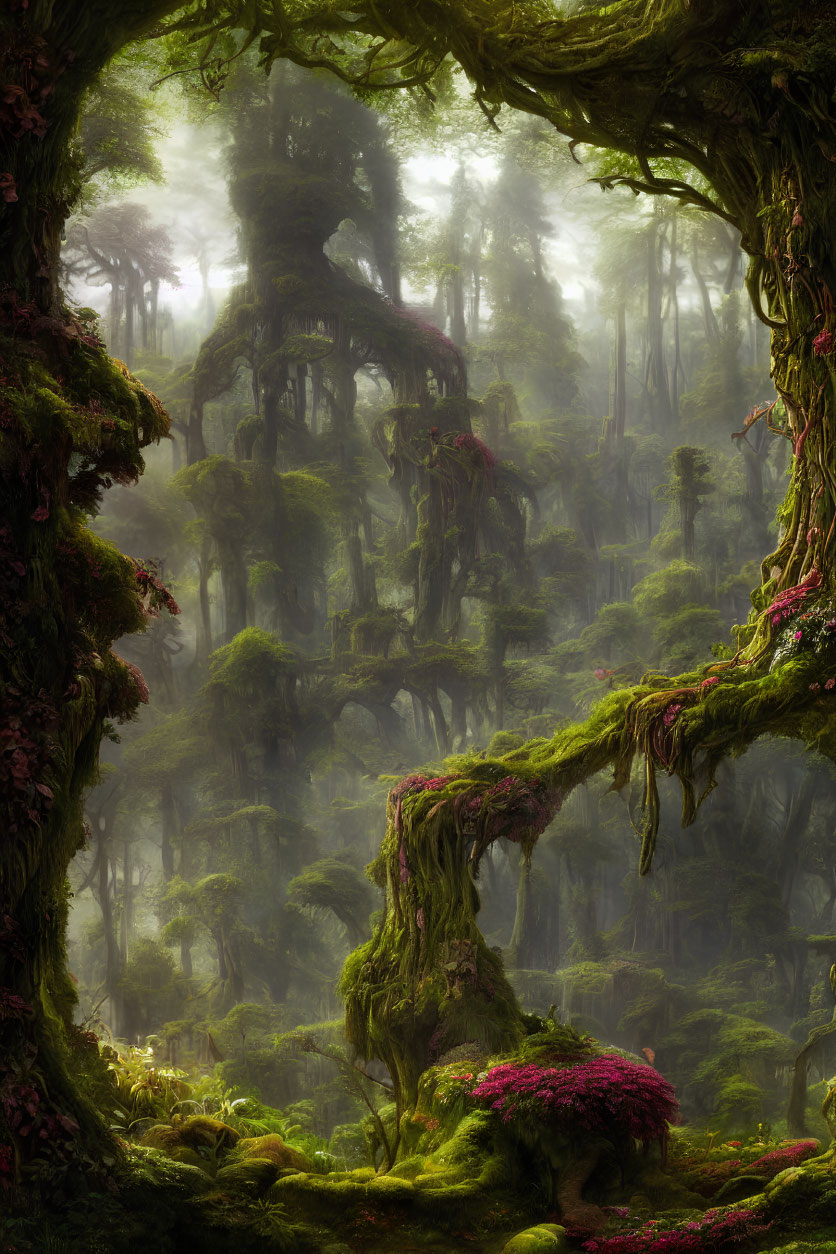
(458, 441)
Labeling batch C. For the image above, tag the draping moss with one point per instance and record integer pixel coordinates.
(72, 422)
(427, 981)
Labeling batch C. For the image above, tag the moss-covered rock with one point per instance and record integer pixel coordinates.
(252, 1176)
(275, 1150)
(196, 1133)
(151, 1167)
(163, 1137)
(389, 1188)
(738, 1188)
(542, 1239)
(200, 1130)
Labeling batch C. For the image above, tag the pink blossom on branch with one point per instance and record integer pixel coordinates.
(670, 713)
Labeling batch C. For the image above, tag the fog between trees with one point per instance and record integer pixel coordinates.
(458, 444)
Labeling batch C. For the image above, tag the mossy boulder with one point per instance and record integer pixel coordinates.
(200, 1131)
(252, 1176)
(390, 1187)
(408, 1168)
(275, 1150)
(791, 1187)
(192, 1138)
(738, 1188)
(665, 1192)
(163, 1137)
(156, 1169)
(183, 1154)
(318, 1198)
(542, 1239)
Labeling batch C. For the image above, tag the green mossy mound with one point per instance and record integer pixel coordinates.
(464, 1171)
(198, 1132)
(152, 1168)
(275, 1150)
(252, 1176)
(542, 1239)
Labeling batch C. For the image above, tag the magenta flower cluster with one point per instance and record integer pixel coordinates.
(155, 593)
(606, 1094)
(408, 787)
(466, 442)
(515, 808)
(418, 783)
(789, 602)
(671, 713)
(433, 337)
(823, 343)
(779, 1159)
(717, 1230)
(138, 680)
(12, 1006)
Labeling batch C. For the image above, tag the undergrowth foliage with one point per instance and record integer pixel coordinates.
(717, 1230)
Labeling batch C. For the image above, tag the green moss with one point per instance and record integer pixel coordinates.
(153, 1169)
(542, 1239)
(253, 657)
(252, 1176)
(306, 347)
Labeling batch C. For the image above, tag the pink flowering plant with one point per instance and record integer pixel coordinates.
(779, 1159)
(802, 628)
(708, 1169)
(606, 1095)
(823, 343)
(155, 595)
(716, 1230)
(788, 603)
(466, 442)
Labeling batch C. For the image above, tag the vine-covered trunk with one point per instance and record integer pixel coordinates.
(797, 275)
(72, 422)
(427, 981)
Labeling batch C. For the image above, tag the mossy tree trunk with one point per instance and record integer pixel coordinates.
(427, 981)
(67, 595)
